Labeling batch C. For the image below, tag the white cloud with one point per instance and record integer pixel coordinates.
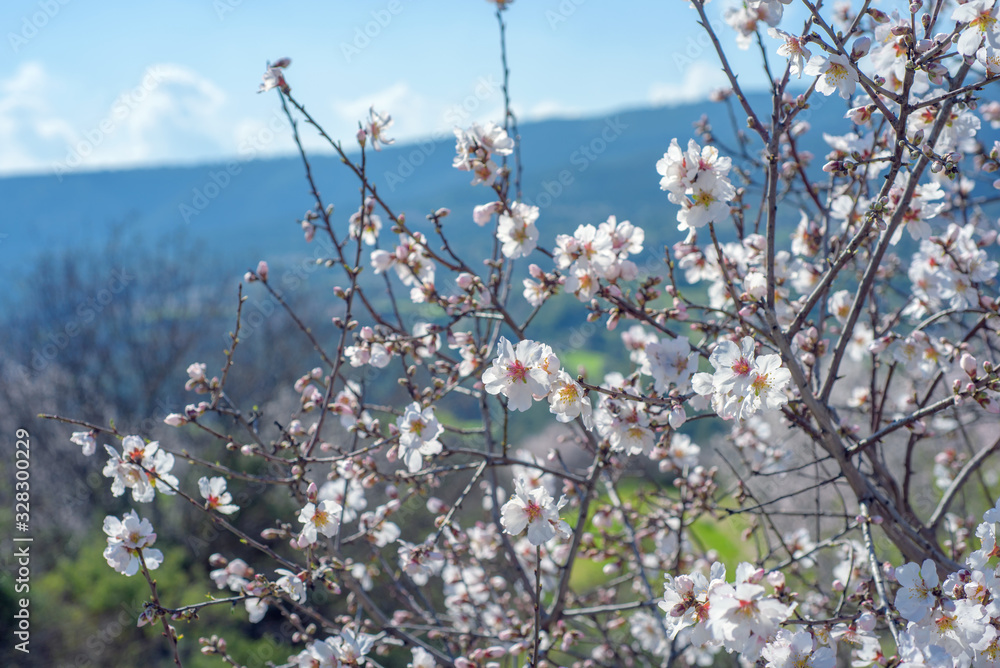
(28, 125)
(171, 114)
(700, 78)
(548, 109)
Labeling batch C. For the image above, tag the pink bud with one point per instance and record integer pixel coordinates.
(312, 491)
(175, 420)
(436, 505)
(262, 270)
(879, 345)
(968, 364)
(861, 48)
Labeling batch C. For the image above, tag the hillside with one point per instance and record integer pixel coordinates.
(576, 170)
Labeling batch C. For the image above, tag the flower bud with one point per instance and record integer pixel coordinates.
(861, 47)
(877, 15)
(968, 364)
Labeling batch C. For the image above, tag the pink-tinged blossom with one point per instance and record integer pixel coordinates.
(793, 48)
(292, 584)
(419, 562)
(588, 247)
(627, 431)
(274, 77)
(234, 575)
(744, 18)
(158, 469)
(675, 169)
(915, 597)
(410, 260)
(476, 147)
(86, 440)
(216, 497)
(128, 539)
(670, 361)
(364, 224)
(626, 238)
(955, 628)
(126, 472)
(567, 400)
(322, 517)
(484, 212)
(346, 491)
(174, 420)
(376, 127)
(421, 658)
(582, 282)
(767, 384)
(635, 339)
(519, 373)
(536, 511)
(256, 609)
(743, 618)
(418, 433)
(680, 455)
(686, 602)
(797, 650)
(350, 647)
(698, 181)
(836, 74)
(981, 19)
(733, 365)
(516, 230)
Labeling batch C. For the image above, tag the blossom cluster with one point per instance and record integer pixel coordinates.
(832, 321)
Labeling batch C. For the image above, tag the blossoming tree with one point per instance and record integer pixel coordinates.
(845, 363)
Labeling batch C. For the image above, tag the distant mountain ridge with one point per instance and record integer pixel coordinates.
(576, 171)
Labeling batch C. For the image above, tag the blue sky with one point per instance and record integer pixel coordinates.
(113, 84)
